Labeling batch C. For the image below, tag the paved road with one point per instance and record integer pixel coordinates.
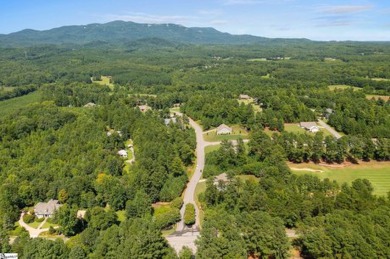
(330, 129)
(189, 195)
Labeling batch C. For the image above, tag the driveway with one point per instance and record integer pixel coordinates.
(330, 129)
(34, 232)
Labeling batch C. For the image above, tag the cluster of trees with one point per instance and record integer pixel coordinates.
(215, 110)
(332, 220)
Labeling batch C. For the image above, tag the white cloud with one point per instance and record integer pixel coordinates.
(151, 18)
(345, 9)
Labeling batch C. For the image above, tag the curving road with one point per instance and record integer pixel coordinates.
(189, 195)
(330, 129)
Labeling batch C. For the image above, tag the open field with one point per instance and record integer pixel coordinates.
(238, 132)
(343, 87)
(7, 88)
(256, 59)
(11, 105)
(105, 80)
(376, 97)
(295, 128)
(380, 79)
(378, 173)
(255, 107)
(200, 188)
(212, 148)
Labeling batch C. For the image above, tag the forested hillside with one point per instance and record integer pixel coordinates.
(65, 146)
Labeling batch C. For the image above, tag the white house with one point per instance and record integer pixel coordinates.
(310, 126)
(224, 130)
(122, 153)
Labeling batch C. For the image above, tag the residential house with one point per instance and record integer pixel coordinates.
(244, 97)
(144, 108)
(90, 105)
(310, 126)
(122, 153)
(46, 209)
(169, 120)
(221, 180)
(327, 113)
(224, 130)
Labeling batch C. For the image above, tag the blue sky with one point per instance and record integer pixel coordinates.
(312, 19)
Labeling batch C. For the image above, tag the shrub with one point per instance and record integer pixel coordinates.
(28, 218)
(168, 218)
(39, 219)
(177, 202)
(189, 214)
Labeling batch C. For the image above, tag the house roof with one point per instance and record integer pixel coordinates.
(222, 177)
(308, 124)
(46, 207)
(89, 105)
(144, 107)
(223, 126)
(244, 96)
(167, 121)
(122, 152)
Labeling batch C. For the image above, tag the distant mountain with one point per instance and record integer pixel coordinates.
(120, 31)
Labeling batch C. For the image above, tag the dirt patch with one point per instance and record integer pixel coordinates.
(306, 169)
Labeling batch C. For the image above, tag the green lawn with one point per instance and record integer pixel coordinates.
(376, 97)
(121, 215)
(200, 188)
(48, 225)
(212, 148)
(380, 79)
(34, 224)
(343, 87)
(105, 80)
(238, 132)
(11, 105)
(378, 173)
(295, 128)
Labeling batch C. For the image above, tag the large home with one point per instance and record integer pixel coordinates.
(122, 153)
(169, 120)
(144, 108)
(310, 126)
(220, 181)
(46, 209)
(224, 130)
(244, 97)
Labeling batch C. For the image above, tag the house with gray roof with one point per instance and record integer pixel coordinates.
(46, 209)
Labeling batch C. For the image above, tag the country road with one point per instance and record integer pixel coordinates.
(189, 195)
(330, 129)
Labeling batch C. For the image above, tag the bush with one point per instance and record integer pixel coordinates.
(168, 218)
(177, 203)
(189, 214)
(39, 219)
(28, 218)
(52, 230)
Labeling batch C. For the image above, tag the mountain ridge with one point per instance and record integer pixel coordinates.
(118, 31)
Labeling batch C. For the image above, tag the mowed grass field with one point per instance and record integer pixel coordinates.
(11, 105)
(376, 97)
(238, 132)
(105, 80)
(295, 128)
(378, 173)
(343, 87)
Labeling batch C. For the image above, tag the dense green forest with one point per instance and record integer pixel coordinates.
(60, 149)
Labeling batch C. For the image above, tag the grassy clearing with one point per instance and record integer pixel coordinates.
(376, 97)
(121, 215)
(380, 79)
(105, 80)
(48, 225)
(256, 108)
(7, 88)
(212, 148)
(238, 132)
(200, 188)
(267, 76)
(34, 224)
(378, 173)
(245, 177)
(343, 87)
(174, 109)
(11, 105)
(257, 59)
(295, 128)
